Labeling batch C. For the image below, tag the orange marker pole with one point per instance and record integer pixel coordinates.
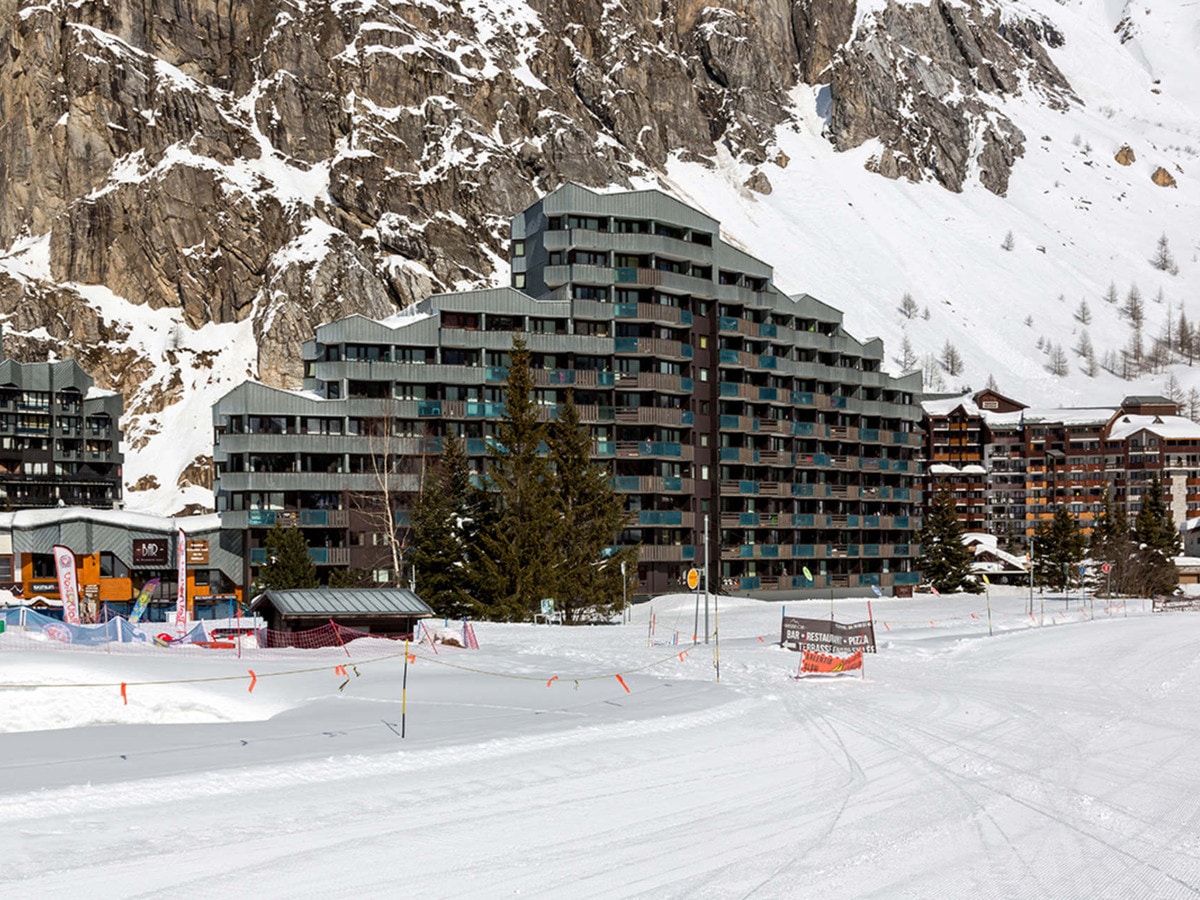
(624, 685)
(253, 680)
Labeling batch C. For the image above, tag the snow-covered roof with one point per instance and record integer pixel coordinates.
(943, 406)
(1168, 427)
(37, 518)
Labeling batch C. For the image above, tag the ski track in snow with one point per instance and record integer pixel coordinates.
(1052, 761)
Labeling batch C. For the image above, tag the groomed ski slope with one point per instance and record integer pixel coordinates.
(1049, 760)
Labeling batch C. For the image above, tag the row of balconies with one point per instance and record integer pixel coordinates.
(820, 551)
(731, 488)
(809, 520)
(321, 556)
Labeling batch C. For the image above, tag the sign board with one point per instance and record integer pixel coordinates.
(151, 551)
(1106, 568)
(91, 591)
(547, 606)
(825, 636)
(197, 553)
(693, 579)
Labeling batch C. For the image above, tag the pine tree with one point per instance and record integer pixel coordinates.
(1158, 544)
(288, 564)
(1193, 404)
(513, 568)
(951, 360)
(908, 357)
(439, 539)
(1009, 242)
(1185, 337)
(1060, 549)
(1084, 313)
(1112, 545)
(1135, 307)
(1111, 295)
(588, 582)
(908, 306)
(1163, 260)
(1059, 365)
(945, 559)
(991, 383)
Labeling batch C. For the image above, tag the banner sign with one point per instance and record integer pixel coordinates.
(68, 584)
(143, 600)
(197, 553)
(150, 551)
(824, 664)
(181, 598)
(825, 636)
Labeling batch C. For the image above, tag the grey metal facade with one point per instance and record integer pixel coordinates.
(711, 393)
(59, 437)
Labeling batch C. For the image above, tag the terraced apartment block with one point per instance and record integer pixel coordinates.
(713, 395)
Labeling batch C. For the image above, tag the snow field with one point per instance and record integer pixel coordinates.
(1046, 760)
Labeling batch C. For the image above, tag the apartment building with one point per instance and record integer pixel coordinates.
(713, 395)
(1009, 466)
(59, 437)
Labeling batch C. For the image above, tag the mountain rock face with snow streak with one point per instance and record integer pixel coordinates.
(186, 189)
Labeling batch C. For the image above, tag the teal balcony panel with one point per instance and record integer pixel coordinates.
(766, 329)
(625, 310)
(803, 428)
(803, 520)
(768, 393)
(870, 549)
(748, 520)
(687, 418)
(868, 434)
(768, 551)
(802, 551)
(731, 454)
(802, 398)
(748, 487)
(261, 517)
(729, 421)
(606, 379)
(728, 357)
(803, 490)
(429, 408)
(767, 361)
(749, 583)
(672, 483)
(625, 345)
(906, 578)
(727, 323)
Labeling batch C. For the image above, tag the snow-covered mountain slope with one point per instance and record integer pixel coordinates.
(185, 192)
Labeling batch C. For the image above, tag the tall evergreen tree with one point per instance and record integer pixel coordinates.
(1112, 544)
(1158, 544)
(1059, 551)
(945, 559)
(288, 564)
(592, 514)
(441, 525)
(514, 566)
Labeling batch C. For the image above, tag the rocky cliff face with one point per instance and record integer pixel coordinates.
(286, 162)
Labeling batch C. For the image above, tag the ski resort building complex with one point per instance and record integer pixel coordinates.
(718, 401)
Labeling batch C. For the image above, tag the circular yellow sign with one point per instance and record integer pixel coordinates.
(693, 579)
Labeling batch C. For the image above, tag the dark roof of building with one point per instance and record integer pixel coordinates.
(344, 601)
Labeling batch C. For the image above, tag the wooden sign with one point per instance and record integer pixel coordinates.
(197, 553)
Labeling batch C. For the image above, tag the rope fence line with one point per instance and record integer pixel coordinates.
(341, 670)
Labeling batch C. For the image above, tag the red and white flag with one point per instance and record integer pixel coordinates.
(181, 616)
(68, 583)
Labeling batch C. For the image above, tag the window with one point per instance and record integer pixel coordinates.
(518, 248)
(519, 280)
(200, 577)
(704, 473)
(6, 568)
(111, 567)
(704, 342)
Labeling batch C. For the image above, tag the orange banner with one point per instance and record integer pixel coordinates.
(823, 663)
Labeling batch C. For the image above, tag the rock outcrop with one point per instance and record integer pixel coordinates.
(286, 164)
